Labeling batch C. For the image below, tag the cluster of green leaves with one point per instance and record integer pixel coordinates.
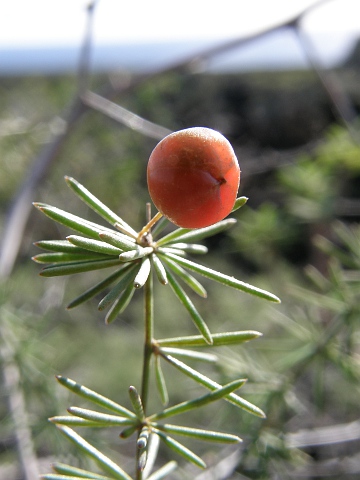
(134, 255)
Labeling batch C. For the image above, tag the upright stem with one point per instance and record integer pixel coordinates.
(149, 333)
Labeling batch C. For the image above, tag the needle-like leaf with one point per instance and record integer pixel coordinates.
(139, 252)
(104, 462)
(62, 257)
(94, 245)
(58, 246)
(217, 394)
(136, 403)
(211, 385)
(118, 240)
(159, 269)
(191, 248)
(239, 202)
(78, 267)
(94, 397)
(160, 381)
(70, 421)
(55, 476)
(226, 338)
(99, 287)
(76, 472)
(181, 449)
(200, 434)
(99, 207)
(97, 417)
(143, 273)
(224, 279)
(191, 281)
(205, 357)
(74, 222)
(127, 277)
(187, 234)
(163, 471)
(120, 304)
(159, 226)
(185, 300)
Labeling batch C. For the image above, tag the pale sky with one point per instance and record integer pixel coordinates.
(61, 22)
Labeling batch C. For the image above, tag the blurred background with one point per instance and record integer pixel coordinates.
(87, 90)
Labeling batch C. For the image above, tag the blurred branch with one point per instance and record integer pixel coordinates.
(85, 53)
(124, 116)
(17, 408)
(331, 84)
(336, 467)
(22, 203)
(347, 432)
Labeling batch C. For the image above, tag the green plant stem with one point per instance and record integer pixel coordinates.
(149, 333)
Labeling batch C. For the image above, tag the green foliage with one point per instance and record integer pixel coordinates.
(134, 254)
(302, 242)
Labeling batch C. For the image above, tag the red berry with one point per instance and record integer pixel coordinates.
(193, 177)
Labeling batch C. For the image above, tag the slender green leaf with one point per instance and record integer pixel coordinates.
(185, 300)
(97, 205)
(98, 417)
(139, 252)
(239, 202)
(55, 476)
(200, 434)
(159, 269)
(74, 222)
(205, 357)
(160, 381)
(163, 471)
(99, 287)
(174, 251)
(186, 277)
(62, 257)
(136, 403)
(226, 338)
(73, 421)
(143, 438)
(152, 452)
(120, 304)
(104, 462)
(211, 385)
(94, 245)
(159, 226)
(127, 432)
(143, 273)
(78, 267)
(117, 239)
(94, 397)
(79, 472)
(224, 279)
(181, 449)
(172, 236)
(191, 248)
(58, 246)
(126, 278)
(194, 235)
(215, 395)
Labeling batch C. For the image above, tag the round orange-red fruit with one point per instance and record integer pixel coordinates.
(193, 177)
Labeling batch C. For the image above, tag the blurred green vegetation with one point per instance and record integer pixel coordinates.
(298, 237)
